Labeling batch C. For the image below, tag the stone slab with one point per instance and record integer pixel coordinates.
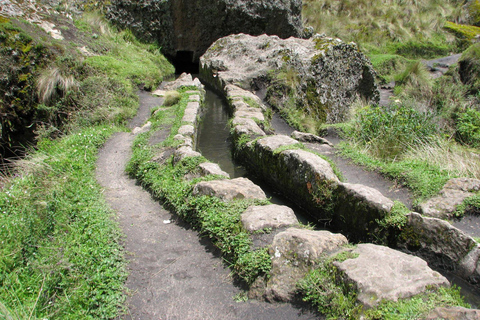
(382, 273)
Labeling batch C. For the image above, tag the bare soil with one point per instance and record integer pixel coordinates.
(173, 272)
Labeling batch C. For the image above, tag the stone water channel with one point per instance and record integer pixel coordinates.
(214, 143)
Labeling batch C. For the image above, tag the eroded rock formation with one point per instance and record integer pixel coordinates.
(186, 28)
(321, 76)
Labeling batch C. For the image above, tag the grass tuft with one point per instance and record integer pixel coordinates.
(52, 83)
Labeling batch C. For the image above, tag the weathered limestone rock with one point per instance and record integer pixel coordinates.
(236, 93)
(212, 168)
(308, 137)
(249, 128)
(383, 273)
(358, 207)
(191, 112)
(453, 193)
(454, 313)
(142, 129)
(186, 28)
(184, 80)
(239, 188)
(293, 252)
(184, 152)
(187, 130)
(442, 244)
(187, 141)
(269, 216)
(329, 73)
(271, 143)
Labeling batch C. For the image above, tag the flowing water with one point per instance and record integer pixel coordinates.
(214, 143)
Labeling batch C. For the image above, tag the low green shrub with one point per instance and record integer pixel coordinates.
(468, 127)
(388, 131)
(469, 67)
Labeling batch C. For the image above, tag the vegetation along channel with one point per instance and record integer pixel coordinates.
(124, 195)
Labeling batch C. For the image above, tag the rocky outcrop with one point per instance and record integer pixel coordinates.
(453, 193)
(323, 75)
(186, 28)
(294, 252)
(379, 273)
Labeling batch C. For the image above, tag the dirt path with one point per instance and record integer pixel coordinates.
(173, 273)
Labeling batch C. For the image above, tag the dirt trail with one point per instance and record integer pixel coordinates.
(173, 273)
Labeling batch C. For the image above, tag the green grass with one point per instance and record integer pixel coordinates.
(420, 176)
(60, 256)
(60, 252)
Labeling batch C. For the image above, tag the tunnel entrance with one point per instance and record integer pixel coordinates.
(185, 61)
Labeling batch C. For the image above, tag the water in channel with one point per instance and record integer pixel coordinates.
(214, 143)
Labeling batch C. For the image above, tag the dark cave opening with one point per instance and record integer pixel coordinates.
(185, 61)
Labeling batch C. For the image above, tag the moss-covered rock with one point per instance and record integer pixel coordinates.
(316, 78)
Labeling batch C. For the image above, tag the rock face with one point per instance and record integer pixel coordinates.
(452, 194)
(293, 252)
(324, 75)
(186, 28)
(383, 273)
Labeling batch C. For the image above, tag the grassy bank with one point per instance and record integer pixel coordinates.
(60, 253)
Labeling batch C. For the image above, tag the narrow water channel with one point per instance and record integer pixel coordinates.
(214, 143)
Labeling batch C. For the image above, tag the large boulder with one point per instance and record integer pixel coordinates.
(324, 75)
(186, 28)
(380, 273)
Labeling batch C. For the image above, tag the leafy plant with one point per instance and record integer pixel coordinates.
(468, 127)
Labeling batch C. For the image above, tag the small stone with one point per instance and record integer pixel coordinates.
(212, 168)
(308, 137)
